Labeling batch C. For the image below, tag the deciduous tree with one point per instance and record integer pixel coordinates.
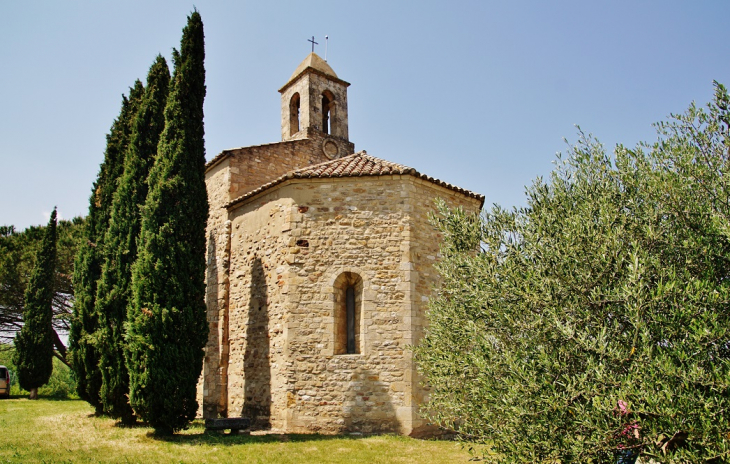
(594, 321)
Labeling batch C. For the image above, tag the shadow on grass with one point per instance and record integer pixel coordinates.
(137, 425)
(56, 398)
(224, 439)
(40, 397)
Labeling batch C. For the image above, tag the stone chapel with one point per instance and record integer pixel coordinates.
(319, 269)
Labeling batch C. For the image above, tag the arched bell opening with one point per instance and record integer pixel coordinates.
(328, 111)
(294, 114)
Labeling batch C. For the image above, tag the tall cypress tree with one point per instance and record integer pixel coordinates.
(120, 243)
(166, 320)
(87, 265)
(34, 342)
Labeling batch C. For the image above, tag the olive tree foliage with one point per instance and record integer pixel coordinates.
(595, 321)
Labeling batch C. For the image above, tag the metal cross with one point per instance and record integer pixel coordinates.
(313, 43)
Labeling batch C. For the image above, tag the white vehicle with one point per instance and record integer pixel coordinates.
(4, 382)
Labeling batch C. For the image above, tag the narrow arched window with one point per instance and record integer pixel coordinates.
(351, 328)
(294, 113)
(348, 312)
(328, 106)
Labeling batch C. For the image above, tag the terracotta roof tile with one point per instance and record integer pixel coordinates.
(356, 165)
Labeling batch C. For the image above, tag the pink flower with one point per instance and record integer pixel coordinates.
(629, 430)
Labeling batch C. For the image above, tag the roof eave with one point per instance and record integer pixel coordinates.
(293, 176)
(314, 71)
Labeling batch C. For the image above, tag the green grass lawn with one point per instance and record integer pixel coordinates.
(65, 431)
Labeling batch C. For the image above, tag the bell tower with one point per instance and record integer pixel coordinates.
(314, 105)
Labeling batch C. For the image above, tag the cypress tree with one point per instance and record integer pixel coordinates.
(166, 320)
(34, 343)
(120, 243)
(87, 265)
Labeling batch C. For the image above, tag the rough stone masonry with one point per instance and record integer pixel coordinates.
(320, 266)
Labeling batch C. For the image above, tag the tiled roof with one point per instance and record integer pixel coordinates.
(357, 165)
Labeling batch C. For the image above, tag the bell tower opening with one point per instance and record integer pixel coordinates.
(294, 114)
(328, 106)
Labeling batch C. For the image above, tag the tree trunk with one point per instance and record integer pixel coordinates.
(62, 359)
(60, 347)
(129, 419)
(33, 394)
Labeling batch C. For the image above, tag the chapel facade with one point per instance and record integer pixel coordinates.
(319, 269)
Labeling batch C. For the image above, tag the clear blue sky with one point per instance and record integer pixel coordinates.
(476, 93)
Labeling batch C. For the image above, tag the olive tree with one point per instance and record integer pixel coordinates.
(594, 322)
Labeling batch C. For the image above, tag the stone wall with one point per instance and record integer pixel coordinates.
(252, 167)
(422, 276)
(212, 384)
(229, 175)
(257, 338)
(354, 225)
(289, 246)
